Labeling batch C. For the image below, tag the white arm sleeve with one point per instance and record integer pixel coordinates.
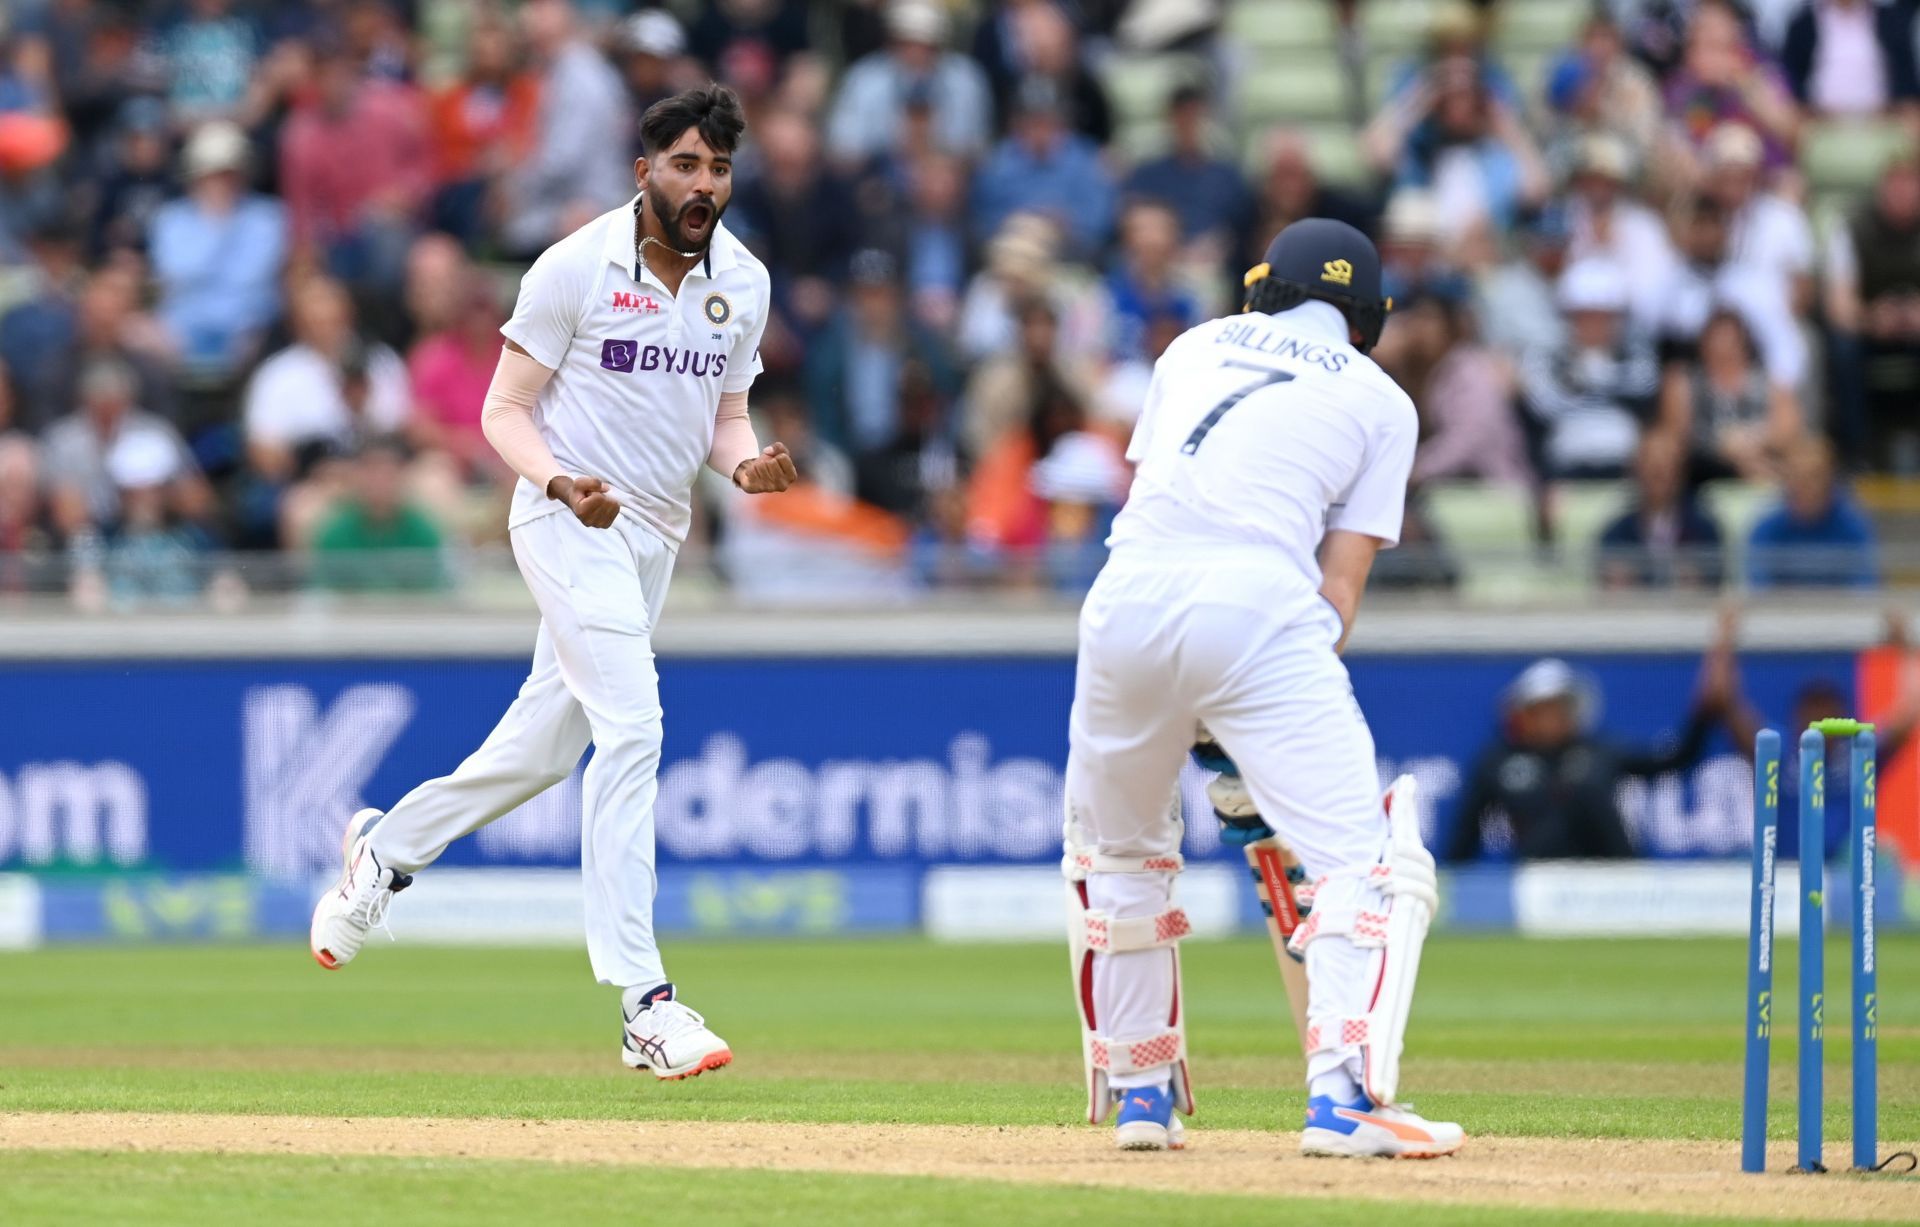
(1378, 497)
(733, 439)
(506, 418)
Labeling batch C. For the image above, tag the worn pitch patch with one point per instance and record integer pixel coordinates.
(1672, 1177)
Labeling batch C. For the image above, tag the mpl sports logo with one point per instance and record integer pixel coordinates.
(640, 304)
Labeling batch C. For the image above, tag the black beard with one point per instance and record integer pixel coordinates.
(670, 225)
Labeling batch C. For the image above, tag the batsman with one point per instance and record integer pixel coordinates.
(1271, 466)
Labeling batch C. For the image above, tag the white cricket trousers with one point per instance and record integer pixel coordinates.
(1157, 656)
(593, 679)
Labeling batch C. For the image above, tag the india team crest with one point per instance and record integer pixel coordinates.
(718, 310)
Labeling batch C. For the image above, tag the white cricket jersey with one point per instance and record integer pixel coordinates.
(638, 372)
(1260, 433)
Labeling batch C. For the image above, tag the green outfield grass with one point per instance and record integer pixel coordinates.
(1595, 1039)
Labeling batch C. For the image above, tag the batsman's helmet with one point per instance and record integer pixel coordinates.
(1318, 257)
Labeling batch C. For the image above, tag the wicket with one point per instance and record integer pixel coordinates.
(1860, 847)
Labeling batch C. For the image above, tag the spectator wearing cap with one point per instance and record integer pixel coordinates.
(356, 169)
(1514, 299)
(1596, 86)
(82, 495)
(1046, 47)
(374, 538)
(870, 110)
(1207, 191)
(796, 214)
(217, 253)
(209, 55)
(1851, 57)
(1608, 224)
(854, 368)
(137, 181)
(1873, 307)
(1667, 539)
(151, 553)
(1591, 393)
(1723, 78)
(1290, 190)
(481, 123)
(580, 163)
(1817, 537)
(324, 393)
(1145, 281)
(652, 50)
(1766, 231)
(1045, 167)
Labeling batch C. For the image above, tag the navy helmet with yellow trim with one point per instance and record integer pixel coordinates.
(1318, 257)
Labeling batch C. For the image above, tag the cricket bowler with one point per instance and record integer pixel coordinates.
(1272, 460)
(625, 368)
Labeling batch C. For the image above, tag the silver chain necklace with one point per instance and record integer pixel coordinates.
(640, 240)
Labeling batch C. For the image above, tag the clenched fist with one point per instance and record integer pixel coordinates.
(768, 473)
(587, 497)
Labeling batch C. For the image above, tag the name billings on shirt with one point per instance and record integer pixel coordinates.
(1279, 345)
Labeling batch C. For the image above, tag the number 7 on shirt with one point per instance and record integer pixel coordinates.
(1207, 423)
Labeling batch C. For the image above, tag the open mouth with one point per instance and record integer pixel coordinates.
(696, 219)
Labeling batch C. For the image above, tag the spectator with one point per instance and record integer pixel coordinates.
(217, 255)
(1591, 393)
(1707, 281)
(1005, 510)
(325, 393)
(450, 371)
(794, 213)
(1850, 57)
(1732, 417)
(209, 56)
(1557, 783)
(1411, 255)
(1006, 386)
(730, 31)
(1456, 34)
(579, 164)
(1291, 190)
(31, 197)
(82, 495)
(1608, 224)
(109, 325)
(854, 370)
(1120, 392)
(1081, 482)
(653, 61)
(1514, 300)
(151, 554)
(1817, 537)
(1873, 307)
(1595, 87)
(1722, 78)
(1209, 192)
(1047, 48)
(374, 539)
(1043, 167)
(1454, 137)
(481, 124)
(902, 475)
(934, 239)
(1022, 265)
(137, 181)
(1144, 283)
(782, 410)
(1667, 539)
(1766, 232)
(40, 329)
(870, 110)
(356, 168)
(1465, 393)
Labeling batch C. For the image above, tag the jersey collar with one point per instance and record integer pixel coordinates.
(1317, 318)
(723, 250)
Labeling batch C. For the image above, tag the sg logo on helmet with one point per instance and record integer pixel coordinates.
(1337, 271)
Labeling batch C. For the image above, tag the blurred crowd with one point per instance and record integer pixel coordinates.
(253, 257)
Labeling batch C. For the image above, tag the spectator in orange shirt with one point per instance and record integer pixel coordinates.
(481, 124)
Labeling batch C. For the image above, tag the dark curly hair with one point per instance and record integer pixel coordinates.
(712, 108)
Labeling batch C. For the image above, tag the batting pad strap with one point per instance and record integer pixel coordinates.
(1110, 934)
(1077, 864)
(1140, 1053)
(1336, 1031)
(1364, 927)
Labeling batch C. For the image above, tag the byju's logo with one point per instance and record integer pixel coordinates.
(619, 355)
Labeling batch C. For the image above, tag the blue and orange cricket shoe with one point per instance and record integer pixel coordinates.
(1365, 1130)
(1146, 1120)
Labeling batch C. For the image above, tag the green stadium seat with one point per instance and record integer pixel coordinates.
(1337, 157)
(1395, 25)
(1294, 89)
(1847, 156)
(1138, 85)
(1538, 26)
(1289, 27)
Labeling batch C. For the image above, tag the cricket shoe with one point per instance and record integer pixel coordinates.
(357, 903)
(1146, 1120)
(670, 1039)
(1363, 1129)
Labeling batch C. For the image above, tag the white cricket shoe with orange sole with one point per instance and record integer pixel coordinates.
(1364, 1130)
(670, 1039)
(356, 904)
